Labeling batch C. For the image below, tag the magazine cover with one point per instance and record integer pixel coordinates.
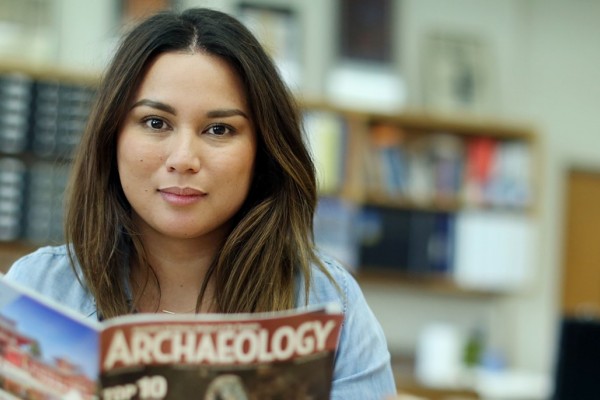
(49, 352)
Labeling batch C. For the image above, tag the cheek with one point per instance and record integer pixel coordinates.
(242, 168)
(135, 161)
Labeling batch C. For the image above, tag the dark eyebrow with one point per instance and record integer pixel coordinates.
(154, 104)
(210, 114)
(226, 113)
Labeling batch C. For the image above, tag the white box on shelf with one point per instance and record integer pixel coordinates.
(366, 86)
(493, 250)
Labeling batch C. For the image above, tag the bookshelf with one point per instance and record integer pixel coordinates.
(435, 203)
(43, 111)
(359, 207)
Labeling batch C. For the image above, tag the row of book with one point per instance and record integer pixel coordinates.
(444, 167)
(384, 238)
(422, 167)
(42, 116)
(31, 199)
(485, 250)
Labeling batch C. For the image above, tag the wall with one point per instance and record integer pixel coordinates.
(564, 91)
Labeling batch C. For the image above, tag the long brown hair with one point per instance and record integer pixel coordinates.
(271, 240)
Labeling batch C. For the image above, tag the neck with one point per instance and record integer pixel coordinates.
(178, 271)
(170, 296)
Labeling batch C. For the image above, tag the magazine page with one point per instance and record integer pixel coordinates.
(286, 355)
(46, 351)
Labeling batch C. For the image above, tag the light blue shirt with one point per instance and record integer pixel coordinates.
(362, 363)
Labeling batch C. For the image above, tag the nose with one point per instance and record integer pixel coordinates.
(183, 155)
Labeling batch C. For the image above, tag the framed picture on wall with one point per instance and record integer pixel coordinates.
(456, 72)
(364, 73)
(278, 30)
(366, 31)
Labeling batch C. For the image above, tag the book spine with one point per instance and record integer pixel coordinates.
(12, 197)
(42, 121)
(15, 108)
(326, 139)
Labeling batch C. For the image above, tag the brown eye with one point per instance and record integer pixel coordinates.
(155, 124)
(219, 129)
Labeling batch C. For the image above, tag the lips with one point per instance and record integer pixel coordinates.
(181, 196)
(186, 191)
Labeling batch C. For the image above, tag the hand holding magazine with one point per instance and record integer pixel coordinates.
(49, 352)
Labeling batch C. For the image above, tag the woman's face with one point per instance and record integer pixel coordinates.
(187, 148)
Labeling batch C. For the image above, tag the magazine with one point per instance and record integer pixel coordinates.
(50, 352)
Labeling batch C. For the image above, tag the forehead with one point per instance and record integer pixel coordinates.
(197, 74)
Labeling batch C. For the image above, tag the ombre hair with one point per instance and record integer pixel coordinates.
(271, 241)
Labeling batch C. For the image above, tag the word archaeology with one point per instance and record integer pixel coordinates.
(244, 346)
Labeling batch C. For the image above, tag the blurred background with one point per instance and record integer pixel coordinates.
(457, 147)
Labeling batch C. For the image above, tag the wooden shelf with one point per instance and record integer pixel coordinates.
(422, 120)
(407, 384)
(448, 205)
(430, 283)
(50, 72)
(11, 251)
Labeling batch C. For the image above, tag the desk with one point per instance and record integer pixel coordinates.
(499, 385)
(10, 252)
(408, 389)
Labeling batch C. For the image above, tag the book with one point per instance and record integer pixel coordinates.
(384, 238)
(335, 230)
(406, 240)
(447, 157)
(511, 185)
(326, 139)
(429, 242)
(59, 114)
(12, 194)
(482, 153)
(15, 100)
(50, 352)
(387, 170)
(44, 214)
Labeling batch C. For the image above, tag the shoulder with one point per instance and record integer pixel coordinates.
(330, 283)
(362, 362)
(48, 271)
(334, 283)
(34, 267)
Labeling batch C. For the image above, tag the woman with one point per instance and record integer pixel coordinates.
(193, 191)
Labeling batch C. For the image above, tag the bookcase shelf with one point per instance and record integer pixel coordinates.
(429, 202)
(347, 145)
(431, 283)
(450, 205)
(428, 121)
(11, 251)
(43, 111)
(49, 72)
